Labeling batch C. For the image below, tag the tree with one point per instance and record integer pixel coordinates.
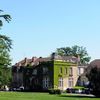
(6, 17)
(67, 51)
(76, 51)
(93, 75)
(5, 46)
(5, 43)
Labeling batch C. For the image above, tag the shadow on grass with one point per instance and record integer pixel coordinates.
(77, 96)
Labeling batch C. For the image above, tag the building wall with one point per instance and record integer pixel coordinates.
(82, 79)
(47, 74)
(60, 65)
(44, 76)
(75, 75)
(65, 83)
(17, 78)
(50, 74)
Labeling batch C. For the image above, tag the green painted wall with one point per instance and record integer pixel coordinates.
(57, 74)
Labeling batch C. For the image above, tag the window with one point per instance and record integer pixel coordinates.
(80, 70)
(45, 69)
(45, 82)
(28, 72)
(60, 70)
(60, 82)
(65, 70)
(36, 81)
(70, 82)
(70, 71)
(34, 72)
(18, 68)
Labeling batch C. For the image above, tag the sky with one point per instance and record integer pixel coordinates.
(38, 27)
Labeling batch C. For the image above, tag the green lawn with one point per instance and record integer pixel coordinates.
(41, 96)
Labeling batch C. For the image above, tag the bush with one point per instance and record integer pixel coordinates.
(51, 91)
(96, 93)
(55, 91)
(93, 75)
(58, 91)
(76, 89)
(69, 90)
(79, 87)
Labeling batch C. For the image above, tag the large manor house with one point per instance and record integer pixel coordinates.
(56, 72)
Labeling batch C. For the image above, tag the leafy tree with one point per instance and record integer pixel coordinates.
(76, 51)
(5, 46)
(5, 76)
(67, 51)
(5, 43)
(93, 75)
(6, 17)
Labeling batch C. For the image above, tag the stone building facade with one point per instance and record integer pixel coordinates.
(60, 72)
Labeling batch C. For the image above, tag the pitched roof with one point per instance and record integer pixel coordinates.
(35, 61)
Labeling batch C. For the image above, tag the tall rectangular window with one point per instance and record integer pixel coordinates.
(34, 72)
(65, 70)
(45, 69)
(70, 82)
(60, 70)
(45, 82)
(71, 71)
(80, 70)
(60, 82)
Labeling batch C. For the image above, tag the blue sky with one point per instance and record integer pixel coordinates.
(38, 27)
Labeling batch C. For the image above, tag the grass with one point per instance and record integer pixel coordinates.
(42, 96)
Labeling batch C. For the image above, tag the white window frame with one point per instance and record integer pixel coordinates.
(60, 81)
(45, 82)
(70, 82)
(70, 71)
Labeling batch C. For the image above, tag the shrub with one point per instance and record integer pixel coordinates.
(51, 91)
(58, 91)
(69, 90)
(55, 91)
(79, 87)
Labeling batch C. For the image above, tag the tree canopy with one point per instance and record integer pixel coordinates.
(93, 75)
(7, 18)
(5, 43)
(5, 47)
(77, 51)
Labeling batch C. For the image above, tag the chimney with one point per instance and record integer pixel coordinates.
(53, 55)
(25, 59)
(34, 58)
(16, 64)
